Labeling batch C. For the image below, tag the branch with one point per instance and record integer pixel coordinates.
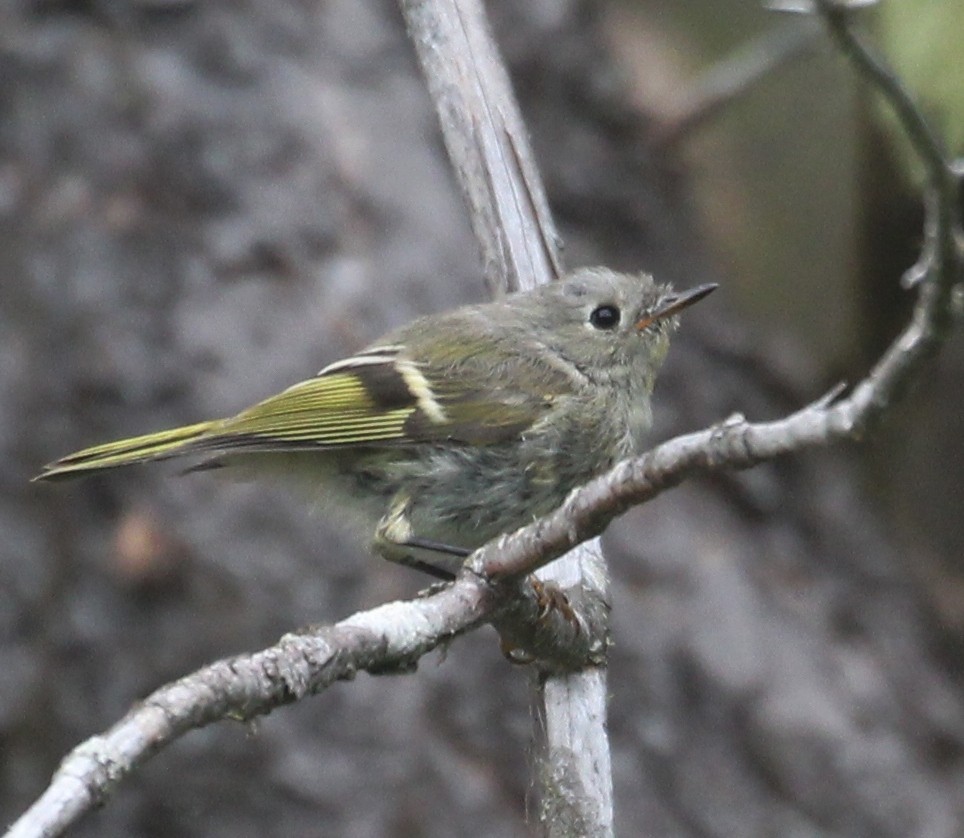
(495, 167)
(486, 141)
(393, 637)
(387, 639)
(941, 254)
(731, 79)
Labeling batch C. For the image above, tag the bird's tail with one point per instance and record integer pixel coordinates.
(125, 452)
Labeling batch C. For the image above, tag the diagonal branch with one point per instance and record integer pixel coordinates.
(388, 639)
(393, 637)
(486, 141)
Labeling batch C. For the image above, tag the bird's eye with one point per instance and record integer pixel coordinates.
(605, 317)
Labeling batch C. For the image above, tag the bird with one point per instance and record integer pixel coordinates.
(456, 427)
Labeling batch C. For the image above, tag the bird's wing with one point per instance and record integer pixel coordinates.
(380, 397)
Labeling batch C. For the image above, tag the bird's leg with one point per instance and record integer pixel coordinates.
(394, 541)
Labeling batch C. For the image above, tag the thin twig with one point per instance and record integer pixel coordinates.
(732, 78)
(394, 636)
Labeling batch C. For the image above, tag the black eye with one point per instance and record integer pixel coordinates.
(605, 317)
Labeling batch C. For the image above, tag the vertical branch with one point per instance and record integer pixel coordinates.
(486, 141)
(494, 164)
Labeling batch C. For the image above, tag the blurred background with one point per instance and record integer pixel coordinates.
(201, 203)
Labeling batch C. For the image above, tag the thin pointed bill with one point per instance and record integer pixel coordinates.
(675, 303)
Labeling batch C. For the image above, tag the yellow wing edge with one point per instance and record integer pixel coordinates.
(138, 449)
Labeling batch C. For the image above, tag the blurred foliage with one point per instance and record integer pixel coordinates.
(775, 170)
(805, 187)
(926, 52)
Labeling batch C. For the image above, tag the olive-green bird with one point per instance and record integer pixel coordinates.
(459, 426)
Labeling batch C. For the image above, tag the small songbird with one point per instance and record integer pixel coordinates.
(457, 427)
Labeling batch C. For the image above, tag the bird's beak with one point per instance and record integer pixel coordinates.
(675, 303)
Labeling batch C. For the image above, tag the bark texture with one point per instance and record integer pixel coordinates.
(201, 203)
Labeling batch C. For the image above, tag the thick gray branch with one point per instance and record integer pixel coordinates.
(390, 638)
(494, 164)
(393, 637)
(486, 140)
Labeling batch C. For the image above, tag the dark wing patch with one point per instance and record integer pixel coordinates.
(378, 398)
(329, 410)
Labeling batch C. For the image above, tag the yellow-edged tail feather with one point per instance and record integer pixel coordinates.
(125, 452)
